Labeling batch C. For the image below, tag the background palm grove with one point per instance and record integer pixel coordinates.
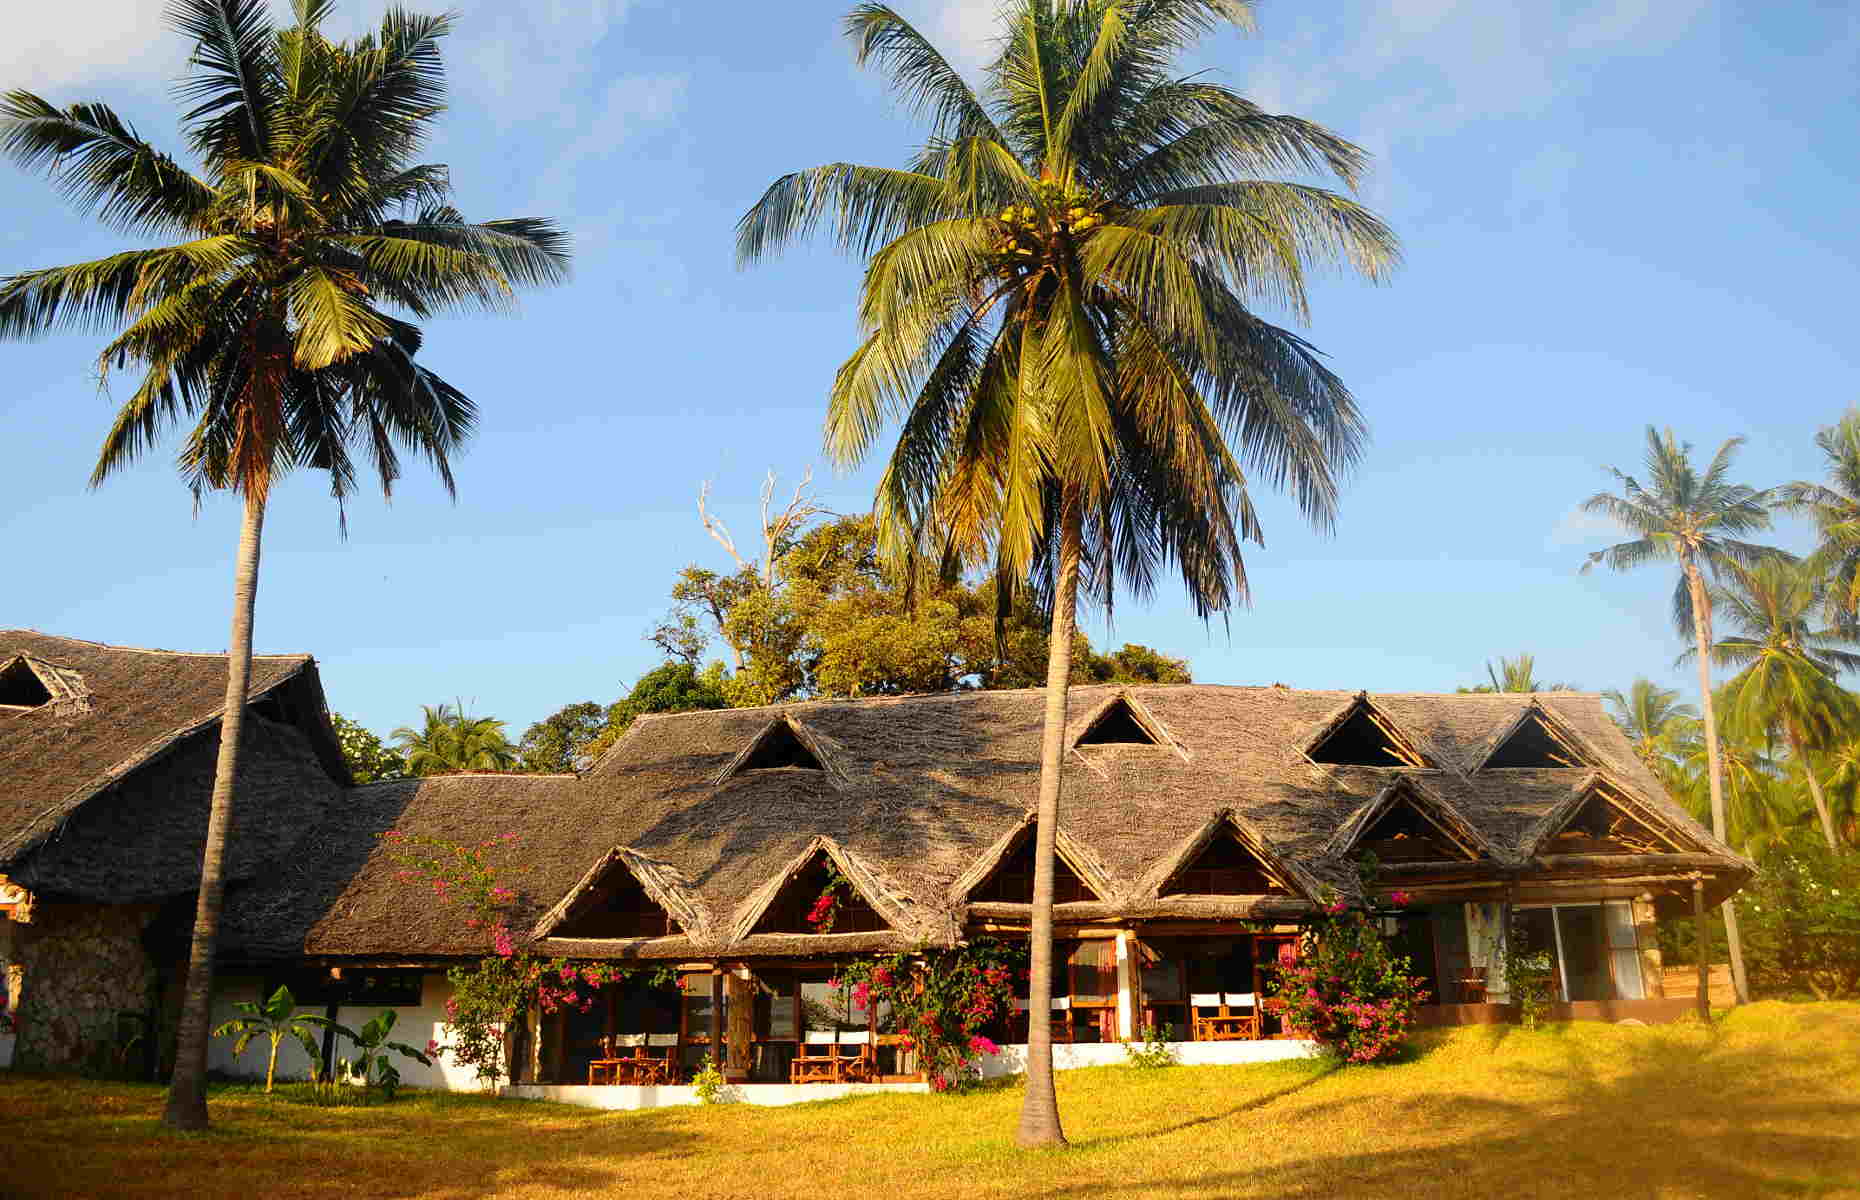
(1091, 290)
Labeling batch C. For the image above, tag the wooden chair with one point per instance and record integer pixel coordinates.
(816, 1059)
(861, 1065)
(609, 1065)
(1225, 1016)
(1469, 985)
(659, 1067)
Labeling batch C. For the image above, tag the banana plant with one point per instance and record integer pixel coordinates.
(373, 1060)
(274, 1019)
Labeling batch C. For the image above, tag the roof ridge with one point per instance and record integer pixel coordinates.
(146, 649)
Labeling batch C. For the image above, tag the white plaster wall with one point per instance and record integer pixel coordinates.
(668, 1096)
(1013, 1059)
(414, 1026)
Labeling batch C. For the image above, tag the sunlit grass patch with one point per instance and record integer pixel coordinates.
(1766, 1103)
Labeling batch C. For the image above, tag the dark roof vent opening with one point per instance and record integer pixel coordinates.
(616, 906)
(1403, 833)
(1534, 744)
(20, 686)
(1118, 725)
(1364, 739)
(781, 748)
(1225, 867)
(1011, 882)
(794, 906)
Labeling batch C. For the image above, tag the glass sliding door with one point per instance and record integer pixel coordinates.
(1623, 950)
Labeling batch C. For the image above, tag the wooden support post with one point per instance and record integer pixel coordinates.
(1704, 948)
(716, 1016)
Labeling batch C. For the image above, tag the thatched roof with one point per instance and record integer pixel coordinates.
(116, 712)
(919, 793)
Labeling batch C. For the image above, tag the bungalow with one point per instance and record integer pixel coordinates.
(1200, 825)
(106, 775)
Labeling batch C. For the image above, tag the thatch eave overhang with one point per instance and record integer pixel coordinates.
(663, 883)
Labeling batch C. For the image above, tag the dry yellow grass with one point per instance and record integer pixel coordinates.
(1768, 1103)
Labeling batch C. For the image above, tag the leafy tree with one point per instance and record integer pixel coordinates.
(267, 320)
(669, 687)
(1835, 509)
(1058, 310)
(556, 744)
(1699, 521)
(274, 1019)
(370, 761)
(828, 619)
(1804, 908)
(1789, 666)
(451, 740)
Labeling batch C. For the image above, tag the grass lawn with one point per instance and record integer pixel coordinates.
(1767, 1103)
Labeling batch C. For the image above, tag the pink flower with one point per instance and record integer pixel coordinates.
(500, 941)
(1399, 899)
(982, 1045)
(502, 894)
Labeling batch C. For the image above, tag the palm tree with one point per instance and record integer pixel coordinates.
(450, 741)
(1835, 509)
(1520, 675)
(269, 324)
(1656, 723)
(1761, 803)
(1058, 309)
(1789, 666)
(1699, 522)
(1844, 787)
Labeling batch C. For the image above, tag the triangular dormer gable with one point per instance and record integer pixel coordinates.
(1361, 734)
(1538, 739)
(783, 745)
(1408, 822)
(1226, 857)
(1602, 817)
(783, 904)
(27, 683)
(1004, 875)
(1123, 720)
(625, 894)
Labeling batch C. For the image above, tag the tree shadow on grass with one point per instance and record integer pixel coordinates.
(1247, 1106)
(1656, 1118)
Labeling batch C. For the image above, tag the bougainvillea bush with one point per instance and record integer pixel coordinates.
(1346, 990)
(940, 1001)
(489, 996)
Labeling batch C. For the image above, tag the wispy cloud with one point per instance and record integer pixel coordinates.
(53, 47)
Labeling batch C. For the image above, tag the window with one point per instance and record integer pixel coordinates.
(385, 988)
(1012, 879)
(20, 686)
(1364, 738)
(1118, 725)
(1224, 867)
(1594, 946)
(780, 748)
(1534, 744)
(615, 906)
(1403, 833)
(788, 911)
(1091, 978)
(1601, 826)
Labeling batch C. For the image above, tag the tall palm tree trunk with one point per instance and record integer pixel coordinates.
(1039, 1113)
(187, 1095)
(1822, 812)
(1714, 764)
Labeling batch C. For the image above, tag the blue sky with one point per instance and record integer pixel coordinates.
(1614, 213)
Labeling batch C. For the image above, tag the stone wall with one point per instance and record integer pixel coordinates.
(81, 965)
